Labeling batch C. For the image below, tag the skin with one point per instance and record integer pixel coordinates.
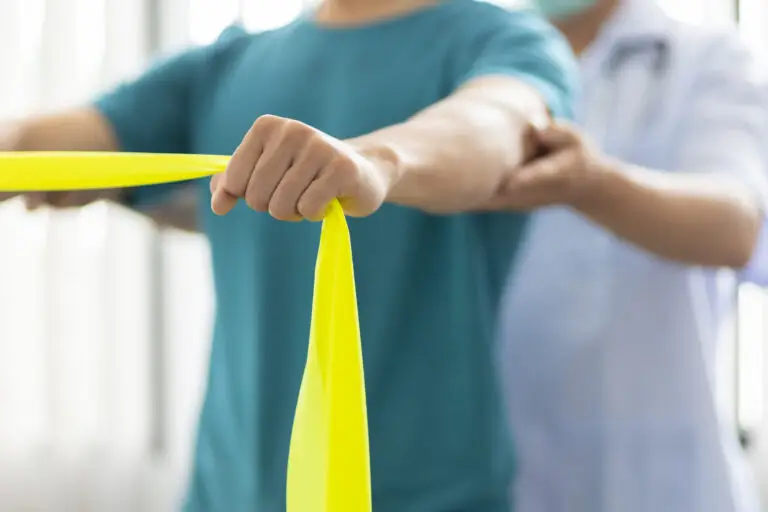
(704, 219)
(431, 162)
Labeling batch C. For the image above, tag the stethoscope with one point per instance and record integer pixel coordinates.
(626, 50)
(630, 85)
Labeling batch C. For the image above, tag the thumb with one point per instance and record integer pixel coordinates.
(222, 201)
(215, 182)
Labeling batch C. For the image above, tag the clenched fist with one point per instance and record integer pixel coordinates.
(294, 171)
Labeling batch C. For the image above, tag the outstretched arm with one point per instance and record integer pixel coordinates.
(454, 155)
(77, 130)
(450, 157)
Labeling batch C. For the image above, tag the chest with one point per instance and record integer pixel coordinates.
(344, 91)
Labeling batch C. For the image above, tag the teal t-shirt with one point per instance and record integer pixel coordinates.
(428, 286)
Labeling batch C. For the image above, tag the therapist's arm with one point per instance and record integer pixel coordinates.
(709, 218)
(700, 219)
(707, 207)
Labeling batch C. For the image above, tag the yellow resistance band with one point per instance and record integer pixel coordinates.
(328, 466)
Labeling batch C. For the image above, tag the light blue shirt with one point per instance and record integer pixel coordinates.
(608, 351)
(428, 286)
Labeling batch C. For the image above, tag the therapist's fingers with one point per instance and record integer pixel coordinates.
(548, 181)
(559, 135)
(534, 185)
(544, 171)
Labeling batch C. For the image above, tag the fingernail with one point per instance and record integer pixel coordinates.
(214, 203)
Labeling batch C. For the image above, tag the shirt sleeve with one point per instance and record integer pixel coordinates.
(725, 131)
(156, 113)
(523, 45)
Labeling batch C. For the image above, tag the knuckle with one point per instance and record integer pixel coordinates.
(298, 134)
(256, 201)
(309, 208)
(266, 122)
(344, 169)
(319, 148)
(282, 210)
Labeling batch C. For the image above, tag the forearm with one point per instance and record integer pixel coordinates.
(453, 156)
(86, 130)
(77, 130)
(696, 219)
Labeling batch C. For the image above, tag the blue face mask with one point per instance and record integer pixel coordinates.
(558, 9)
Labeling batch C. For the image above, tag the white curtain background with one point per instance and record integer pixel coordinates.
(104, 321)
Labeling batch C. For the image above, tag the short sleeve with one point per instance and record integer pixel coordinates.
(157, 112)
(725, 130)
(523, 45)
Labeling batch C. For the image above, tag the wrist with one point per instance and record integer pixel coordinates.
(600, 189)
(384, 160)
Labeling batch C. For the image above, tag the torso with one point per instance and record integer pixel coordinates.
(623, 416)
(427, 290)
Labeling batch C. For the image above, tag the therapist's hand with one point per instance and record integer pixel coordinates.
(565, 173)
(293, 171)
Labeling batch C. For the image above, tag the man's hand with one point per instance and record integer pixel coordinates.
(563, 175)
(294, 171)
